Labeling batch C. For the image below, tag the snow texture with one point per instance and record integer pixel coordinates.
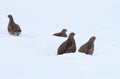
(33, 55)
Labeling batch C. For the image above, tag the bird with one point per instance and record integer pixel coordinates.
(13, 28)
(68, 46)
(88, 47)
(61, 34)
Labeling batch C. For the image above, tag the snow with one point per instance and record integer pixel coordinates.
(33, 55)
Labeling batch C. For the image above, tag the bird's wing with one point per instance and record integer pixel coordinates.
(57, 34)
(69, 46)
(62, 48)
(16, 28)
(89, 49)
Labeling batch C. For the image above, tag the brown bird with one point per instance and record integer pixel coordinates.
(13, 28)
(69, 46)
(62, 33)
(88, 47)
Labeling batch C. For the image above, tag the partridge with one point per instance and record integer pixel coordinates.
(13, 28)
(69, 46)
(88, 48)
(62, 33)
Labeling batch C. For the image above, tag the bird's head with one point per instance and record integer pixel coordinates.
(10, 16)
(64, 30)
(93, 38)
(72, 34)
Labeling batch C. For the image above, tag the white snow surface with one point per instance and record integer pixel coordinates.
(33, 55)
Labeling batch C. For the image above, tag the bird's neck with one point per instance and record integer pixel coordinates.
(71, 38)
(91, 41)
(11, 20)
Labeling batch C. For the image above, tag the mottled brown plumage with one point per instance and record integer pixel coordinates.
(13, 28)
(62, 33)
(69, 46)
(88, 47)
